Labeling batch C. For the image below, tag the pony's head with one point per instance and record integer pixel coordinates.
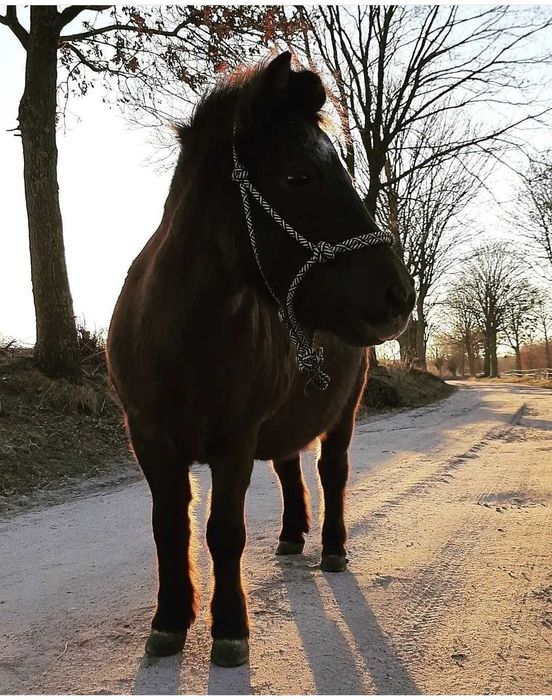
(273, 121)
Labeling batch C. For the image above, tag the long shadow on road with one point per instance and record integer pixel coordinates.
(388, 673)
(334, 666)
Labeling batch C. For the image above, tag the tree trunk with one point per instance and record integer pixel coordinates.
(409, 340)
(420, 338)
(56, 351)
(487, 354)
(470, 354)
(493, 358)
(517, 350)
(376, 163)
(407, 344)
(547, 347)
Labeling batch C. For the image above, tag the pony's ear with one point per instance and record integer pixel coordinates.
(270, 90)
(277, 74)
(277, 87)
(306, 92)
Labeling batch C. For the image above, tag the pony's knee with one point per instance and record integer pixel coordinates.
(225, 538)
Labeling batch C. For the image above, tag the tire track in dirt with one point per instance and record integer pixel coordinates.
(429, 592)
(497, 682)
(438, 584)
(367, 517)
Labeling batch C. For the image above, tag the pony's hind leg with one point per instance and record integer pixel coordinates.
(169, 481)
(296, 515)
(333, 467)
(226, 539)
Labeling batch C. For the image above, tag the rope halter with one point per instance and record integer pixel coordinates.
(309, 358)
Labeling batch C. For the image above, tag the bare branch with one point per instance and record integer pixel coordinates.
(149, 31)
(10, 20)
(70, 13)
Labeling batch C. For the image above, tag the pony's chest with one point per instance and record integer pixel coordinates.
(304, 416)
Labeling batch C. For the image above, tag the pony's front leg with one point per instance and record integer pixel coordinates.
(226, 539)
(169, 481)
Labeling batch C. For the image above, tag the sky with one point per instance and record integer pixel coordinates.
(111, 200)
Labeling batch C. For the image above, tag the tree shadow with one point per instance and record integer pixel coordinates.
(536, 423)
(158, 676)
(330, 658)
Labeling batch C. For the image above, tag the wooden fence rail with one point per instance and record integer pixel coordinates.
(545, 373)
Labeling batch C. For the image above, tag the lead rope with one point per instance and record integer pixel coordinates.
(309, 358)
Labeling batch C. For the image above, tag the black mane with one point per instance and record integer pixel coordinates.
(303, 95)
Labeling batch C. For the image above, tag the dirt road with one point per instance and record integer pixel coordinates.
(449, 588)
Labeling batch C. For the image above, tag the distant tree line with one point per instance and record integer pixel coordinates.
(494, 303)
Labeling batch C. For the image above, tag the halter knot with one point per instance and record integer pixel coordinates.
(310, 360)
(239, 175)
(323, 251)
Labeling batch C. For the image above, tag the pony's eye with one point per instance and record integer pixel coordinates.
(297, 180)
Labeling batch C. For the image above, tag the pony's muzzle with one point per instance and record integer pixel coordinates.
(399, 300)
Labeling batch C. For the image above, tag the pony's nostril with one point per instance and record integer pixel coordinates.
(396, 300)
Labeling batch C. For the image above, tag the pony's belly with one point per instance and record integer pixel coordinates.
(275, 444)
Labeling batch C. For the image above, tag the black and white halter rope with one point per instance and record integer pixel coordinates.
(309, 357)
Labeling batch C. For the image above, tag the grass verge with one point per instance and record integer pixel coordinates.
(54, 434)
(395, 387)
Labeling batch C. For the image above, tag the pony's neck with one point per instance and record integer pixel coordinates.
(204, 218)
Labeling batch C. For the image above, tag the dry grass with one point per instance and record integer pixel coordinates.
(54, 433)
(396, 386)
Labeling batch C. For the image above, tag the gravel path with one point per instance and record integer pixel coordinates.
(449, 588)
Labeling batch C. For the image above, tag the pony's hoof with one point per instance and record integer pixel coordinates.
(285, 547)
(230, 652)
(333, 562)
(165, 643)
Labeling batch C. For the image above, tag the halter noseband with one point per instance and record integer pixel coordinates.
(309, 357)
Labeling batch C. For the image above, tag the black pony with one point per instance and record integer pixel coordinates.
(199, 347)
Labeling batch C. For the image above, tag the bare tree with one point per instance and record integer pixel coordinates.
(463, 324)
(426, 212)
(521, 317)
(438, 353)
(395, 65)
(491, 279)
(544, 315)
(142, 49)
(533, 212)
